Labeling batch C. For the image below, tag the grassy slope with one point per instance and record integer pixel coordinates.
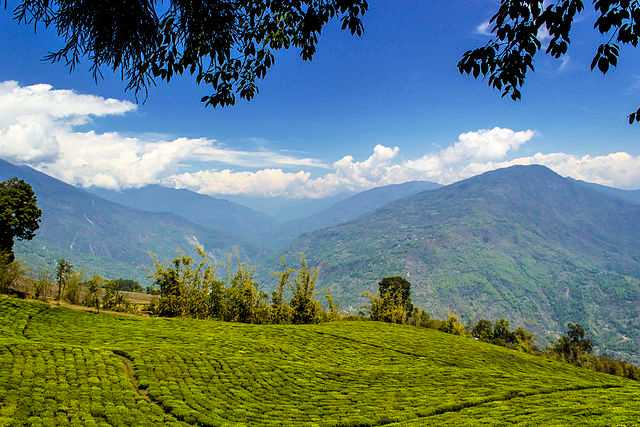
(58, 365)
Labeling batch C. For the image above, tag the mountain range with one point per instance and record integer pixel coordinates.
(103, 237)
(352, 208)
(213, 213)
(521, 243)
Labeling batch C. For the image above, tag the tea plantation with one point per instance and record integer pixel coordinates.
(64, 367)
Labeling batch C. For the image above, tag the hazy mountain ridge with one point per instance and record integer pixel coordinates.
(104, 237)
(632, 196)
(521, 243)
(212, 213)
(355, 206)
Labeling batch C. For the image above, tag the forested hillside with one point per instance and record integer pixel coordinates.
(99, 236)
(213, 213)
(521, 243)
(351, 208)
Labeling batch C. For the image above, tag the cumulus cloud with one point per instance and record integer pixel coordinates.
(484, 28)
(34, 118)
(452, 163)
(347, 175)
(265, 182)
(471, 154)
(614, 169)
(38, 126)
(382, 167)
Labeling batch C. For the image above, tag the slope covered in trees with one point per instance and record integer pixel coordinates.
(63, 366)
(99, 236)
(352, 208)
(521, 243)
(213, 213)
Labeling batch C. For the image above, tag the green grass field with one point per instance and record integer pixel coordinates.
(65, 367)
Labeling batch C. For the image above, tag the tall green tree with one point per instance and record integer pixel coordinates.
(19, 214)
(399, 291)
(64, 269)
(185, 286)
(92, 299)
(280, 309)
(243, 297)
(574, 344)
(306, 308)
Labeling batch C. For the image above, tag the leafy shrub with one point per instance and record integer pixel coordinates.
(191, 289)
(92, 298)
(114, 300)
(128, 285)
(73, 288)
(11, 272)
(306, 309)
(501, 334)
(393, 302)
(42, 286)
(576, 348)
(453, 325)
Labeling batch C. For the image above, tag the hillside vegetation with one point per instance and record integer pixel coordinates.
(520, 243)
(215, 214)
(350, 208)
(105, 237)
(68, 367)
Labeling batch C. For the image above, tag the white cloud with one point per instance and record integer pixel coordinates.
(382, 167)
(614, 169)
(38, 126)
(450, 164)
(564, 63)
(544, 37)
(484, 28)
(265, 182)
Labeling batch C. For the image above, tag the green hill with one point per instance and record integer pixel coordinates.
(65, 367)
(521, 243)
(351, 208)
(99, 236)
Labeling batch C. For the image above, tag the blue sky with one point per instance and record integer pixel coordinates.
(397, 87)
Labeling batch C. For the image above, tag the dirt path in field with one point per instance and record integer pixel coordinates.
(465, 405)
(28, 322)
(381, 347)
(129, 371)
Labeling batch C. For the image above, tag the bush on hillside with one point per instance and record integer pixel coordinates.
(499, 333)
(576, 348)
(43, 286)
(453, 325)
(127, 285)
(192, 289)
(393, 302)
(11, 272)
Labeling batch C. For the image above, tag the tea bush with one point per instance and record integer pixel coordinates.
(64, 367)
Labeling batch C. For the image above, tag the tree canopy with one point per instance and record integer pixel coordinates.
(518, 27)
(230, 44)
(19, 214)
(226, 44)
